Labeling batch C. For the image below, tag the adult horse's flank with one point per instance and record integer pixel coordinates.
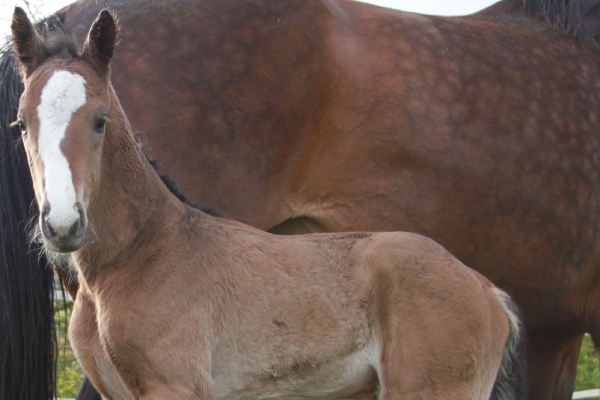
(481, 132)
(176, 304)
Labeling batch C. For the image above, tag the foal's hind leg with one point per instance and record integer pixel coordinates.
(405, 376)
(426, 355)
(440, 330)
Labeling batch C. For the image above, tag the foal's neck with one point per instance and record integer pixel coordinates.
(130, 208)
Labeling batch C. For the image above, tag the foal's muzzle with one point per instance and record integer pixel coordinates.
(63, 239)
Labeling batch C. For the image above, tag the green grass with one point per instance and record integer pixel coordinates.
(70, 374)
(587, 368)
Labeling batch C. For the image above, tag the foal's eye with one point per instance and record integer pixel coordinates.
(22, 127)
(100, 125)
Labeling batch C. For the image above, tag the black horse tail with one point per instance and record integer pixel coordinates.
(510, 380)
(27, 335)
(580, 18)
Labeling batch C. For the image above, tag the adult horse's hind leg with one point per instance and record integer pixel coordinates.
(88, 391)
(68, 282)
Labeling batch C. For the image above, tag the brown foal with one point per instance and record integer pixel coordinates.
(176, 304)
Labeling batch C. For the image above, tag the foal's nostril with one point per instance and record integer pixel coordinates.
(79, 210)
(79, 226)
(45, 224)
(75, 227)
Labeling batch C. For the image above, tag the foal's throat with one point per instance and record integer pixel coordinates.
(131, 208)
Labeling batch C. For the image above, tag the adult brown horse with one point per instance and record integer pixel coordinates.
(177, 304)
(480, 132)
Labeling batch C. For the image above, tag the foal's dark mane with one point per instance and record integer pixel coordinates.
(171, 183)
(49, 25)
(580, 18)
(61, 45)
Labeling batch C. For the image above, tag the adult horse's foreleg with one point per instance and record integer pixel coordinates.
(553, 352)
(552, 365)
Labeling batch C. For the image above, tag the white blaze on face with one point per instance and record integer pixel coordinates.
(63, 94)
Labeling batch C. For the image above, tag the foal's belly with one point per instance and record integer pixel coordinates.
(352, 376)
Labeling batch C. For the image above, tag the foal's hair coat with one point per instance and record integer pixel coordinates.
(175, 303)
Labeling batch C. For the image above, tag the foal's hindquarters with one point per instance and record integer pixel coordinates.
(235, 313)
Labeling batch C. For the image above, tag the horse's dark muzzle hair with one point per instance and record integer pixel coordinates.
(63, 240)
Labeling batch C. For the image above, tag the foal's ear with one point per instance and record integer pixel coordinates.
(27, 46)
(101, 41)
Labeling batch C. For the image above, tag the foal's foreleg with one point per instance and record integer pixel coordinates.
(201, 391)
(85, 340)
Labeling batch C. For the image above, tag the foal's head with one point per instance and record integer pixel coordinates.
(62, 117)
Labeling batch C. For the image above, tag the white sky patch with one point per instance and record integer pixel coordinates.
(63, 94)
